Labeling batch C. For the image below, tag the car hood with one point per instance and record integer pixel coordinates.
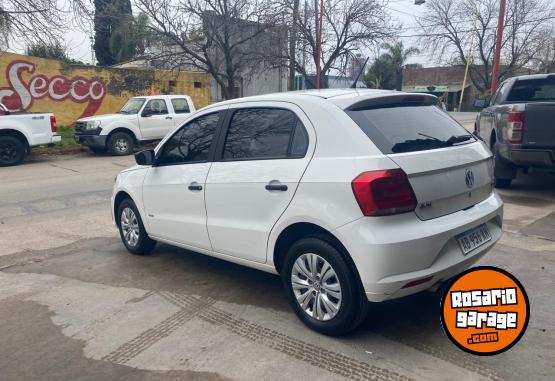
(106, 117)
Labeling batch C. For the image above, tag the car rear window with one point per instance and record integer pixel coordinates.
(408, 128)
(530, 90)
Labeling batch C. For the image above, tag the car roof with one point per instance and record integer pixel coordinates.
(160, 96)
(533, 76)
(340, 97)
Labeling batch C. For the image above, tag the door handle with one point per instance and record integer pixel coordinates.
(169, 117)
(194, 186)
(276, 187)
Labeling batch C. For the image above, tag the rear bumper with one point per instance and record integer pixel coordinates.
(533, 157)
(393, 251)
(91, 140)
(528, 157)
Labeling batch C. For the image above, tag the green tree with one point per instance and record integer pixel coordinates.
(387, 71)
(54, 51)
(109, 17)
(132, 37)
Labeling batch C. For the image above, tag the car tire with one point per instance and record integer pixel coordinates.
(12, 151)
(132, 230)
(120, 144)
(97, 150)
(339, 312)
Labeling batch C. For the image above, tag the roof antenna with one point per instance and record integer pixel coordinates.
(354, 85)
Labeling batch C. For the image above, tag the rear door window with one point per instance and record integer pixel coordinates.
(533, 90)
(409, 128)
(264, 133)
(180, 105)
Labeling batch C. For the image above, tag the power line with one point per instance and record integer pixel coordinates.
(468, 31)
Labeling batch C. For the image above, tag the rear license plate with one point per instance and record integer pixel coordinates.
(474, 238)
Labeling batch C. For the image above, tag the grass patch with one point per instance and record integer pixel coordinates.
(66, 146)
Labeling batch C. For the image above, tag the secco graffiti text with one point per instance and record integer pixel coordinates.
(20, 94)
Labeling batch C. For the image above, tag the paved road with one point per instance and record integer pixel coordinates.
(75, 306)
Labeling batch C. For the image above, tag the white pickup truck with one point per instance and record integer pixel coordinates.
(19, 131)
(140, 120)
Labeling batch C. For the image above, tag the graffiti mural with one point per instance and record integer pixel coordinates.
(75, 91)
(19, 95)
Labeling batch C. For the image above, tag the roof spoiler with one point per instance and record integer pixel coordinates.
(395, 100)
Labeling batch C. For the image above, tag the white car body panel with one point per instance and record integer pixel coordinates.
(34, 126)
(241, 212)
(244, 221)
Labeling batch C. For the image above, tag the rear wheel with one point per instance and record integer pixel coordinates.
(322, 287)
(132, 230)
(503, 172)
(12, 151)
(120, 143)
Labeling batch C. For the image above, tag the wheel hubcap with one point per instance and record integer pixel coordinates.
(129, 226)
(121, 145)
(316, 287)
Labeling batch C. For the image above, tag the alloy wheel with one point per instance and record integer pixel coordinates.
(316, 287)
(130, 226)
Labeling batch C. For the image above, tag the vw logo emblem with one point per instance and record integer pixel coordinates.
(469, 178)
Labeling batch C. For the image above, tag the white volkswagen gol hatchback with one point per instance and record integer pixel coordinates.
(349, 195)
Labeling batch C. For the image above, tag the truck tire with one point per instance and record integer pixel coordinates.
(503, 172)
(120, 144)
(12, 151)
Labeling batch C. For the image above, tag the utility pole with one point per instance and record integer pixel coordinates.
(292, 46)
(498, 42)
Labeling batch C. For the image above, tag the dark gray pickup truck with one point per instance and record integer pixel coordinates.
(519, 126)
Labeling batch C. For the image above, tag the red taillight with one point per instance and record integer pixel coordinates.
(53, 124)
(381, 193)
(515, 127)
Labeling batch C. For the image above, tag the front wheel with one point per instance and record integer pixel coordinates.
(322, 287)
(120, 144)
(132, 230)
(12, 151)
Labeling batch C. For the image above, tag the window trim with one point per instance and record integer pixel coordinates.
(213, 144)
(226, 123)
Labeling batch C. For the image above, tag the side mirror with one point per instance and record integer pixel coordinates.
(145, 157)
(146, 114)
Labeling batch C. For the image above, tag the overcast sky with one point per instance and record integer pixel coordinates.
(403, 11)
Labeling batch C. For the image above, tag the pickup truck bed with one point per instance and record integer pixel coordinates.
(21, 131)
(519, 126)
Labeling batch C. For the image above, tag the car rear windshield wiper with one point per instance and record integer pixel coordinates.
(457, 139)
(453, 139)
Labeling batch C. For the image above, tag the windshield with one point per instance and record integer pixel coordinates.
(410, 128)
(132, 106)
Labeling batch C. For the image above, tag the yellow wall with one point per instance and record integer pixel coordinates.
(37, 84)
